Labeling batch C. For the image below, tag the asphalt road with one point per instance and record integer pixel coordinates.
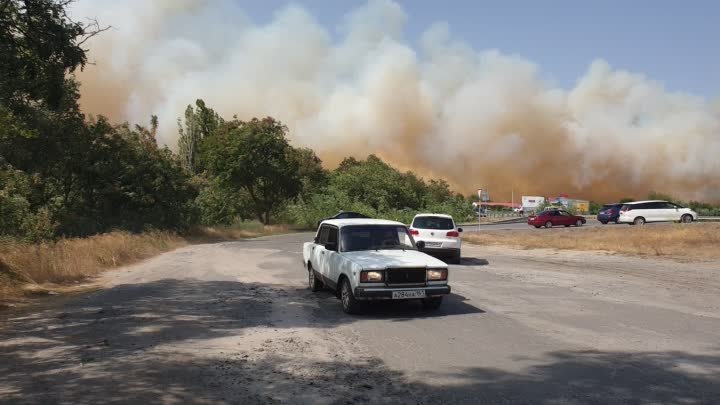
(234, 323)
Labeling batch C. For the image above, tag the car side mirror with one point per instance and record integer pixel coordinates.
(331, 246)
(420, 244)
(459, 229)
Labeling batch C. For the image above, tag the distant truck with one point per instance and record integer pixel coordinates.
(531, 203)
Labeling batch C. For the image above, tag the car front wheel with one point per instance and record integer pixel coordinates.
(639, 221)
(686, 219)
(349, 304)
(548, 224)
(578, 223)
(313, 282)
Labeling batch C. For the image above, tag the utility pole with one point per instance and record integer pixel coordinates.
(479, 207)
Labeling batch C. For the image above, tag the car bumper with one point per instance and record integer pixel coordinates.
(441, 251)
(383, 293)
(608, 218)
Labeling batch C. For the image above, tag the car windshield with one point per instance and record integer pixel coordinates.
(433, 223)
(375, 237)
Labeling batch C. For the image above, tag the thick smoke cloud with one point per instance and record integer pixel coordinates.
(440, 108)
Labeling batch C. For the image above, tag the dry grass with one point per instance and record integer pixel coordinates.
(695, 242)
(34, 269)
(220, 233)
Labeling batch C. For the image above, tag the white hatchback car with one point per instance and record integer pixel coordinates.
(437, 235)
(640, 212)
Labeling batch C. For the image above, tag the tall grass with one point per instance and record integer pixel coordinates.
(25, 266)
(76, 259)
(696, 241)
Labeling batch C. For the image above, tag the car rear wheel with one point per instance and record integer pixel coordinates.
(639, 221)
(548, 224)
(686, 219)
(313, 282)
(578, 223)
(432, 303)
(604, 222)
(455, 259)
(349, 304)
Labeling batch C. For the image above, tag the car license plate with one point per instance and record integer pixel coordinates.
(433, 244)
(408, 294)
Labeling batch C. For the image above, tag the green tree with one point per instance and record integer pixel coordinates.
(654, 195)
(39, 47)
(16, 217)
(200, 123)
(312, 175)
(438, 191)
(347, 163)
(219, 205)
(256, 157)
(120, 179)
(379, 185)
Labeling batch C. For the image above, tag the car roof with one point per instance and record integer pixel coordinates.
(643, 202)
(360, 221)
(434, 215)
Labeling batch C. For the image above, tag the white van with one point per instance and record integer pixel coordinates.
(640, 212)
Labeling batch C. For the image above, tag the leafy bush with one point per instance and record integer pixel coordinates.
(383, 192)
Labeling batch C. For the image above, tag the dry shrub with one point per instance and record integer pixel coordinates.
(240, 231)
(696, 241)
(79, 258)
(26, 267)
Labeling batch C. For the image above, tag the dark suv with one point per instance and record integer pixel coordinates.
(345, 215)
(609, 213)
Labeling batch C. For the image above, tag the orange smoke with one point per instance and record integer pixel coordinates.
(477, 119)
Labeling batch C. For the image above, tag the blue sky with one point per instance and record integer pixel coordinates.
(672, 42)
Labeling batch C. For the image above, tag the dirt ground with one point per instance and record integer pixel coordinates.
(233, 323)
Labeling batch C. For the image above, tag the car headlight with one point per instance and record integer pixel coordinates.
(371, 276)
(437, 274)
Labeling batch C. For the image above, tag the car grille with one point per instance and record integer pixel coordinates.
(406, 276)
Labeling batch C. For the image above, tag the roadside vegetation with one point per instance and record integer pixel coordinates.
(35, 269)
(699, 241)
(81, 193)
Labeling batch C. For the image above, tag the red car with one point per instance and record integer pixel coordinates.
(551, 218)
